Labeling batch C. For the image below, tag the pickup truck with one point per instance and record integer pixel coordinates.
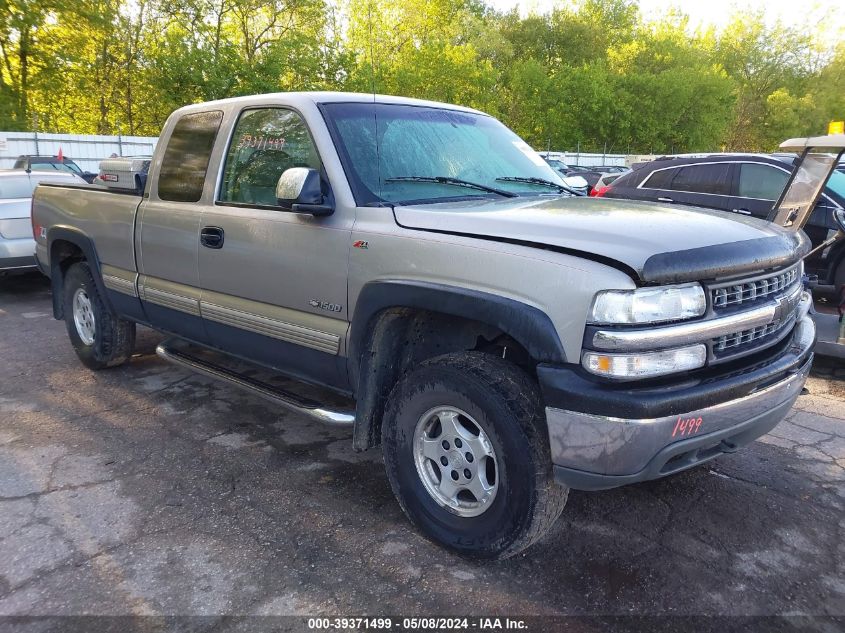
(422, 267)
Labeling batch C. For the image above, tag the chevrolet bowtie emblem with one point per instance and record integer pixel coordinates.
(785, 306)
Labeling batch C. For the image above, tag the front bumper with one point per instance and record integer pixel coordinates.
(598, 443)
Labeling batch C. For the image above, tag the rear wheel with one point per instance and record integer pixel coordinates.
(100, 338)
(466, 452)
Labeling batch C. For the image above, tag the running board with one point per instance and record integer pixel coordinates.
(311, 409)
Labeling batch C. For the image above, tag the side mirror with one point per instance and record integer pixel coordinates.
(299, 189)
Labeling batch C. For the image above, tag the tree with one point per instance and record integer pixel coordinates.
(591, 73)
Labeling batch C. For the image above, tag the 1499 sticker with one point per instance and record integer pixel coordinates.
(686, 426)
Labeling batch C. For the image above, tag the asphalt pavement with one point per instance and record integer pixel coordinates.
(147, 490)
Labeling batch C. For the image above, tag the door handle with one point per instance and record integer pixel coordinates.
(665, 200)
(742, 211)
(211, 237)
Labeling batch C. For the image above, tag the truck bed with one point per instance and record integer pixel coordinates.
(106, 215)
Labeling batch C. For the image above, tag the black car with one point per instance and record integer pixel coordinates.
(749, 184)
(46, 163)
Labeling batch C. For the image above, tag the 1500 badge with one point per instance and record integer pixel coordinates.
(325, 305)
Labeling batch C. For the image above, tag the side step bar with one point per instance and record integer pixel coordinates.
(313, 410)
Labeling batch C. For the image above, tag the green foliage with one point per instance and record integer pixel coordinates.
(591, 74)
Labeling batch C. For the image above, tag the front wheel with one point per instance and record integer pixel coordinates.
(467, 455)
(100, 338)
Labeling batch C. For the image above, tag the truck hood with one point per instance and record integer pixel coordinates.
(654, 243)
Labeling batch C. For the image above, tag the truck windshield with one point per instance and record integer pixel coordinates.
(57, 166)
(405, 154)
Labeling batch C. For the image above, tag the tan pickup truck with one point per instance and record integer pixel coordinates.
(502, 340)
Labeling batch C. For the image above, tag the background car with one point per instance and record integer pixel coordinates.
(52, 163)
(603, 184)
(573, 177)
(590, 173)
(17, 246)
(748, 184)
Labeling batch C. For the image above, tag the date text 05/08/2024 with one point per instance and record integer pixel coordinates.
(416, 624)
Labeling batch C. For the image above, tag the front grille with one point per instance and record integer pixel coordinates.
(729, 341)
(746, 292)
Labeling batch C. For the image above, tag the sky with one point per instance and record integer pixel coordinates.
(717, 12)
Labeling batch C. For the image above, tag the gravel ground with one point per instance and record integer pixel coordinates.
(146, 490)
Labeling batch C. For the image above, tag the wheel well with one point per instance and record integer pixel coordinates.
(399, 339)
(63, 254)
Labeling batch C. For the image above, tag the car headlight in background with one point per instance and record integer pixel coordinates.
(648, 305)
(645, 364)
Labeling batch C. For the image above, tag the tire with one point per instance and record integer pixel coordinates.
(486, 394)
(100, 338)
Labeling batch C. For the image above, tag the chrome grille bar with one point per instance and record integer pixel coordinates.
(748, 291)
(746, 336)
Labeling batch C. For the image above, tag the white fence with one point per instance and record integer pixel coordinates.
(86, 150)
(583, 159)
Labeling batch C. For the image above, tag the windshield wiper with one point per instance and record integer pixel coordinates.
(447, 180)
(539, 181)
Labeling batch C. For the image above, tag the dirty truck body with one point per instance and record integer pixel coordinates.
(501, 340)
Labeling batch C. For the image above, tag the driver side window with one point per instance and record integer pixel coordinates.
(264, 144)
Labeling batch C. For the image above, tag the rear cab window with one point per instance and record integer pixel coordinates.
(186, 157)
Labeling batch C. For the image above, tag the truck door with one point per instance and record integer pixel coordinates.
(274, 282)
(169, 223)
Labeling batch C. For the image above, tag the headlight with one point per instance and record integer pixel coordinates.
(645, 364)
(648, 305)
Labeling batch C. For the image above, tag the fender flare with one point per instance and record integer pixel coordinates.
(383, 306)
(529, 326)
(86, 245)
